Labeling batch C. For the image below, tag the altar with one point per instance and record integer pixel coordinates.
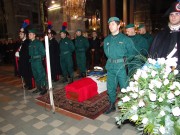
(85, 88)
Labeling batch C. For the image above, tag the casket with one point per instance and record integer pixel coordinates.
(81, 90)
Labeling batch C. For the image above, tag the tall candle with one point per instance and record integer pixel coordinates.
(49, 73)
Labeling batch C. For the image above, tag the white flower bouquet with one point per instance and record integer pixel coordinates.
(152, 99)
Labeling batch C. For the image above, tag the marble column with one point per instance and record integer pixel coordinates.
(125, 11)
(131, 11)
(112, 8)
(104, 17)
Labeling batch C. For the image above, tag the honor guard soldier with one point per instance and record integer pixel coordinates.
(54, 54)
(142, 31)
(23, 64)
(37, 53)
(167, 42)
(118, 48)
(81, 46)
(66, 49)
(141, 46)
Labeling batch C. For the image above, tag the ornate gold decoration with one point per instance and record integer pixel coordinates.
(94, 21)
(75, 8)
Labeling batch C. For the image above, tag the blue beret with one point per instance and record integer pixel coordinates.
(116, 19)
(129, 26)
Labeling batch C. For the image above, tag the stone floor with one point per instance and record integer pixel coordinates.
(20, 114)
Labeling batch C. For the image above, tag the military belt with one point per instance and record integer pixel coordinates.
(65, 52)
(36, 57)
(80, 50)
(116, 60)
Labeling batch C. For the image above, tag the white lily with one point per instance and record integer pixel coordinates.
(170, 96)
(176, 111)
(162, 129)
(152, 97)
(134, 117)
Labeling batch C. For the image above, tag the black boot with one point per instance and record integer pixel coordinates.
(71, 80)
(38, 89)
(43, 90)
(111, 108)
(83, 75)
(28, 87)
(79, 76)
(64, 80)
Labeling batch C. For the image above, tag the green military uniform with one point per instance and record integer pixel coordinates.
(81, 45)
(147, 36)
(118, 49)
(141, 44)
(66, 48)
(142, 47)
(37, 53)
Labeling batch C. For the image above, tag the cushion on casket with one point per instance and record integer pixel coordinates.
(98, 73)
(81, 90)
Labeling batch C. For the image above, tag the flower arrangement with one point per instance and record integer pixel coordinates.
(152, 99)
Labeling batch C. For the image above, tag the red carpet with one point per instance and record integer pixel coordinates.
(90, 108)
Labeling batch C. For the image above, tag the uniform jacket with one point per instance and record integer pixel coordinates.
(118, 47)
(36, 50)
(66, 47)
(24, 64)
(81, 44)
(164, 43)
(54, 56)
(148, 37)
(140, 44)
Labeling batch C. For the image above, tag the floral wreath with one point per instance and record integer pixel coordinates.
(152, 99)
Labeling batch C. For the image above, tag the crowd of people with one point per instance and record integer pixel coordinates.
(120, 53)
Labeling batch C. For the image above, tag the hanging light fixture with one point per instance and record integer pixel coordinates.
(75, 8)
(94, 21)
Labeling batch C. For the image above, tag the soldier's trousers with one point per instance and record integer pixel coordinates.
(67, 65)
(38, 73)
(81, 61)
(114, 77)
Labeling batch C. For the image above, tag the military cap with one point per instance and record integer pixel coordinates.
(141, 26)
(64, 31)
(130, 26)
(116, 19)
(33, 31)
(175, 7)
(25, 26)
(52, 32)
(79, 30)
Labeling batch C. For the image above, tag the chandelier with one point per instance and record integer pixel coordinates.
(75, 8)
(94, 21)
